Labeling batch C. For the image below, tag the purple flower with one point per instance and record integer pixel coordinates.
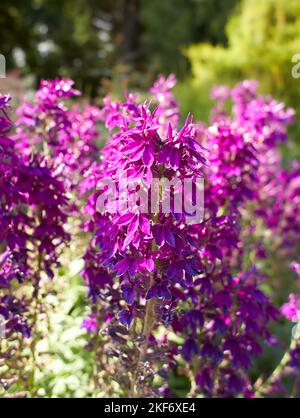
(33, 213)
(193, 277)
(204, 381)
(67, 136)
(125, 317)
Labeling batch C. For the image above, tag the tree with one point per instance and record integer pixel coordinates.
(92, 41)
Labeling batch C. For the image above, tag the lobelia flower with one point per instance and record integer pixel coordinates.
(225, 332)
(264, 121)
(296, 267)
(66, 136)
(13, 251)
(167, 295)
(32, 219)
(90, 323)
(143, 246)
(288, 369)
(33, 214)
(131, 231)
(220, 94)
(184, 271)
(295, 357)
(291, 309)
(168, 110)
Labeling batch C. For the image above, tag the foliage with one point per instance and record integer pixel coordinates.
(173, 308)
(183, 21)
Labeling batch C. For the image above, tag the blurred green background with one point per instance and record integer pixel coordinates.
(93, 41)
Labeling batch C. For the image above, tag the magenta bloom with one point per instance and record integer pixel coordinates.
(192, 273)
(181, 223)
(90, 323)
(32, 219)
(295, 357)
(65, 135)
(168, 110)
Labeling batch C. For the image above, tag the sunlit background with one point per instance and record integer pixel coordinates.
(109, 46)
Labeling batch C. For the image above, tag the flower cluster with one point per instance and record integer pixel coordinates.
(33, 214)
(182, 222)
(13, 260)
(66, 136)
(264, 121)
(168, 109)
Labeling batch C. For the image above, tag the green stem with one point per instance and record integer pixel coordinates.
(148, 322)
